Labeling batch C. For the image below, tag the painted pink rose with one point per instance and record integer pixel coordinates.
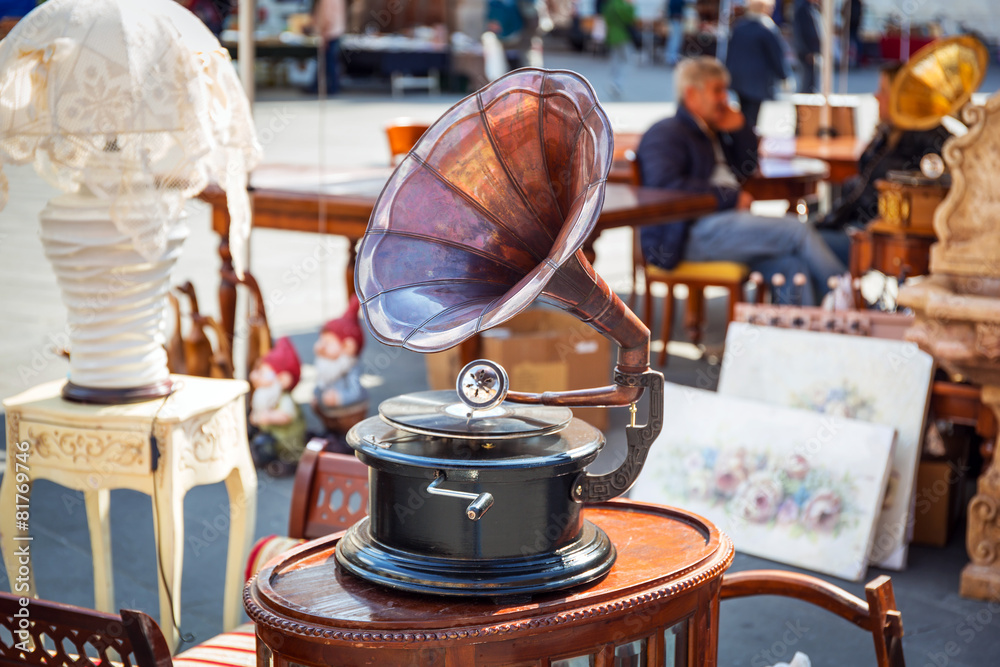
(730, 472)
(759, 498)
(788, 512)
(797, 467)
(822, 511)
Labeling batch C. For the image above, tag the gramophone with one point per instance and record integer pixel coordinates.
(936, 82)
(478, 491)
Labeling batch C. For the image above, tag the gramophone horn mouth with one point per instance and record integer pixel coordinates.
(937, 81)
(487, 214)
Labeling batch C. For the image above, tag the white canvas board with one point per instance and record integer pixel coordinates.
(875, 380)
(788, 485)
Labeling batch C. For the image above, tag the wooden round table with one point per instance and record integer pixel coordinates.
(659, 605)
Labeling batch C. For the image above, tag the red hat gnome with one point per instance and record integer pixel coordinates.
(277, 424)
(339, 399)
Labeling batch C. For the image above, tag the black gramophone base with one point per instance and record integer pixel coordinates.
(586, 559)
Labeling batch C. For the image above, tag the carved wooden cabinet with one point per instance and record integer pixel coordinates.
(659, 605)
(889, 250)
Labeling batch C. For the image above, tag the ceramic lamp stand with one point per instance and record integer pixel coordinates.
(116, 300)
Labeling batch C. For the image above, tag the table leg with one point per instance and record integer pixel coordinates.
(9, 531)
(352, 258)
(168, 524)
(241, 485)
(227, 292)
(695, 314)
(98, 504)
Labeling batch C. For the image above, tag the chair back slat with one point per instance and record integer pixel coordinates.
(60, 635)
(330, 493)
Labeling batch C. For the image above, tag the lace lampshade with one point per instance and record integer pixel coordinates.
(134, 106)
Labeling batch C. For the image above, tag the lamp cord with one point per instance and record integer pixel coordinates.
(183, 638)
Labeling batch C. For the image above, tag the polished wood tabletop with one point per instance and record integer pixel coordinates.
(340, 202)
(669, 566)
(303, 198)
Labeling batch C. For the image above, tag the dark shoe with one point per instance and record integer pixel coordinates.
(263, 449)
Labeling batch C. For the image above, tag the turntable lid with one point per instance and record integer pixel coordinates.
(571, 448)
(442, 414)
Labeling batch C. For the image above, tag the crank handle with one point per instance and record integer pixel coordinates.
(480, 504)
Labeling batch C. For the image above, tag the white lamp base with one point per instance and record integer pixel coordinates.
(116, 300)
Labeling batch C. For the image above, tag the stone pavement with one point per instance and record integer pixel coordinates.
(302, 273)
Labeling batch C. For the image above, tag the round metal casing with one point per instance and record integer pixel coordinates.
(427, 528)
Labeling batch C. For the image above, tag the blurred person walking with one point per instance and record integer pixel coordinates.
(330, 23)
(807, 28)
(756, 58)
(620, 18)
(675, 15)
(853, 9)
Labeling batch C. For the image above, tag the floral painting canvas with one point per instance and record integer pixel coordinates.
(789, 485)
(880, 381)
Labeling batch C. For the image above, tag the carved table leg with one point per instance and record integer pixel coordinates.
(241, 485)
(168, 524)
(15, 538)
(227, 293)
(98, 504)
(695, 314)
(981, 577)
(352, 258)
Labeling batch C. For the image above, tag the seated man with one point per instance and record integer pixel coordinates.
(708, 147)
(890, 149)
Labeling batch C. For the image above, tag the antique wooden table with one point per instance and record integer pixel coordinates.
(777, 177)
(303, 199)
(659, 605)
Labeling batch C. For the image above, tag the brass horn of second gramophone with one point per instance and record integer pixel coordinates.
(937, 81)
(487, 214)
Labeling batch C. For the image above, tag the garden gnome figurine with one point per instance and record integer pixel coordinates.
(339, 400)
(277, 423)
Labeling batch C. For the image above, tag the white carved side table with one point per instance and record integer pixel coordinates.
(201, 438)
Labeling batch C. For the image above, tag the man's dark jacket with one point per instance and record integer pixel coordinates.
(806, 28)
(755, 59)
(859, 204)
(676, 154)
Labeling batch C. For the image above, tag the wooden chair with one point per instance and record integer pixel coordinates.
(403, 134)
(199, 354)
(330, 494)
(201, 358)
(807, 118)
(694, 275)
(60, 635)
(878, 615)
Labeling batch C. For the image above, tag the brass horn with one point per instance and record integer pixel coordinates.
(936, 82)
(488, 213)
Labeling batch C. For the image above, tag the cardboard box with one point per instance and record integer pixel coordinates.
(938, 502)
(541, 350)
